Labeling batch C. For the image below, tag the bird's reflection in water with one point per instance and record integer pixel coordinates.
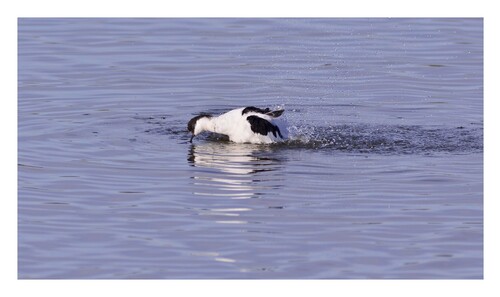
(235, 171)
(225, 178)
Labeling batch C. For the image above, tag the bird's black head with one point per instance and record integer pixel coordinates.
(192, 124)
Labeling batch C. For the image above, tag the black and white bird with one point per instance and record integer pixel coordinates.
(243, 125)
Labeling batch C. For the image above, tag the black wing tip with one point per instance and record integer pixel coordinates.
(276, 113)
(266, 111)
(254, 109)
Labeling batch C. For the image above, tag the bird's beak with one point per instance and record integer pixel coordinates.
(191, 140)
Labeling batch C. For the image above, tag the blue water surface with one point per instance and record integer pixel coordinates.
(383, 176)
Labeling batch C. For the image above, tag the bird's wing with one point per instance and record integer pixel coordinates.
(262, 126)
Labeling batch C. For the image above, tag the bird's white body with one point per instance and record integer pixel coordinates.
(238, 128)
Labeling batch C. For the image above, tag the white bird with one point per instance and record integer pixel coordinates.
(242, 125)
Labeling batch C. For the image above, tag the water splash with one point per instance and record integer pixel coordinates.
(356, 138)
(399, 139)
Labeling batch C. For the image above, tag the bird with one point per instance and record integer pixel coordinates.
(242, 125)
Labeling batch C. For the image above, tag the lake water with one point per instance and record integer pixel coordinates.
(382, 177)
